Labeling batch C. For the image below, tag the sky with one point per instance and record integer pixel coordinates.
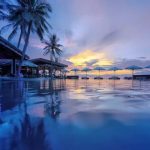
(99, 32)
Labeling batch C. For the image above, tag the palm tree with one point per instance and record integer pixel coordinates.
(33, 14)
(13, 14)
(53, 48)
(1, 11)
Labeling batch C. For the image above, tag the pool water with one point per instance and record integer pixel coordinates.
(40, 114)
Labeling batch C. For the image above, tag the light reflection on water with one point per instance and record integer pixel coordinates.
(74, 114)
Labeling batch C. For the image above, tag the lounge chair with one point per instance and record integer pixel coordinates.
(114, 78)
(128, 78)
(98, 78)
(85, 78)
(72, 77)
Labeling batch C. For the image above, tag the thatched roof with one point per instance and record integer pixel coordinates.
(26, 63)
(42, 61)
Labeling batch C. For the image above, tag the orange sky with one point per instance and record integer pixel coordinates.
(82, 58)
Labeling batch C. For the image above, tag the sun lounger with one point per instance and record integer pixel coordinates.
(85, 78)
(114, 78)
(98, 78)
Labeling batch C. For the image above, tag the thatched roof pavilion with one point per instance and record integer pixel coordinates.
(49, 65)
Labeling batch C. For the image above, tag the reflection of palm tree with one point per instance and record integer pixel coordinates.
(52, 106)
(32, 137)
(28, 135)
(55, 110)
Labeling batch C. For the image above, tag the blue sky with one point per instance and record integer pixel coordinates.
(100, 32)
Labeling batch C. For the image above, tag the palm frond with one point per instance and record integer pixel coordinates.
(12, 34)
(52, 46)
(20, 14)
(4, 28)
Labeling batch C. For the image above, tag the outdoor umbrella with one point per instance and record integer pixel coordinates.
(114, 69)
(29, 64)
(75, 70)
(132, 68)
(86, 70)
(65, 71)
(99, 69)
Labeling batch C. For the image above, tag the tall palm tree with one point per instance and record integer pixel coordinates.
(33, 14)
(53, 48)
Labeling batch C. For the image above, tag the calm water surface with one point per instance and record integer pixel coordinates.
(74, 115)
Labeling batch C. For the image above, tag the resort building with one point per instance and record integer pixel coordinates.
(9, 60)
(9, 53)
(46, 67)
(141, 76)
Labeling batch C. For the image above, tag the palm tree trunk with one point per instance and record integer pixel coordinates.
(20, 37)
(25, 47)
(51, 59)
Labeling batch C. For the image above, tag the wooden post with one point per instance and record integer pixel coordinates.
(37, 71)
(13, 67)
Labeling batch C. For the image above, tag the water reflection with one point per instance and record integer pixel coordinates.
(24, 131)
(42, 114)
(52, 105)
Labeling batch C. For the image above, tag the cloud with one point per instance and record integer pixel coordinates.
(142, 58)
(110, 38)
(128, 62)
(91, 62)
(90, 58)
(67, 62)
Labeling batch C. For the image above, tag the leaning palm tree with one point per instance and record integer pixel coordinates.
(34, 15)
(53, 48)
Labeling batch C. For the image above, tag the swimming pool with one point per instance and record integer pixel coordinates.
(74, 114)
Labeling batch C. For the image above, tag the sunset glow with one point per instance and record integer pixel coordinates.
(90, 58)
